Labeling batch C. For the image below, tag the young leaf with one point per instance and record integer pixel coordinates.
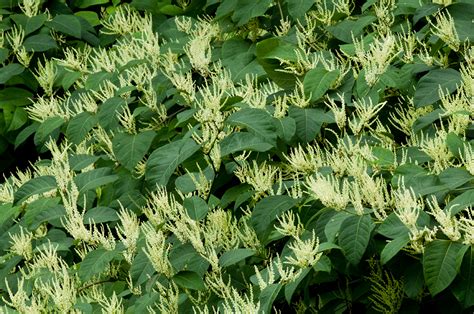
(439, 264)
(355, 236)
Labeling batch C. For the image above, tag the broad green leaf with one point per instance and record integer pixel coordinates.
(309, 122)
(51, 215)
(238, 56)
(186, 183)
(39, 43)
(15, 118)
(79, 126)
(290, 287)
(413, 281)
(318, 81)
(29, 24)
(333, 225)
(189, 280)
(439, 264)
(240, 141)
(35, 186)
(267, 210)
(428, 86)
(196, 207)
(185, 257)
(285, 128)
(100, 214)
(351, 27)
(393, 247)
(234, 256)
(268, 296)
(163, 162)
(46, 129)
(455, 144)
(463, 287)
(461, 202)
(256, 121)
(298, 8)
(95, 263)
(7, 211)
(94, 178)
(88, 3)
(90, 16)
(80, 161)
(66, 24)
(268, 51)
(131, 148)
(9, 71)
(247, 9)
(141, 268)
(14, 96)
(392, 227)
(354, 237)
(36, 207)
(427, 119)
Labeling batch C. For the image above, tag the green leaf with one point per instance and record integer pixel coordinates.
(189, 280)
(95, 263)
(290, 287)
(350, 27)
(461, 202)
(66, 24)
(248, 9)
(15, 118)
(90, 16)
(7, 211)
(141, 268)
(267, 210)
(196, 207)
(285, 128)
(333, 225)
(163, 162)
(9, 71)
(238, 56)
(298, 8)
(234, 256)
(318, 81)
(354, 237)
(88, 3)
(455, 144)
(131, 148)
(79, 126)
(240, 141)
(256, 121)
(80, 161)
(428, 86)
(439, 264)
(34, 186)
(392, 227)
(309, 122)
(463, 287)
(100, 214)
(14, 96)
(268, 296)
(393, 247)
(94, 178)
(39, 43)
(46, 129)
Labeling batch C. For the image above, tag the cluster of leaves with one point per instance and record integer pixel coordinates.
(238, 156)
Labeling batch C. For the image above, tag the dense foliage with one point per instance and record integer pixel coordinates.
(237, 156)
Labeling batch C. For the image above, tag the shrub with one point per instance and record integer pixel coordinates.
(239, 156)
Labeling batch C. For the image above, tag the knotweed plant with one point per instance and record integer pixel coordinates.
(236, 156)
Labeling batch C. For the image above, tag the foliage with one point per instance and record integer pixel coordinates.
(238, 156)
